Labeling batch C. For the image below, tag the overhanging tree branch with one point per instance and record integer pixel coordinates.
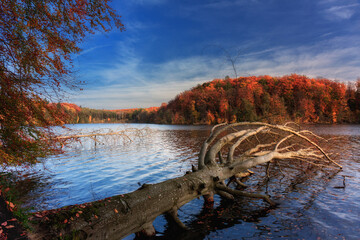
(38, 40)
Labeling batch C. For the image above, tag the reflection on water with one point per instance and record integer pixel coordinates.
(310, 207)
(87, 173)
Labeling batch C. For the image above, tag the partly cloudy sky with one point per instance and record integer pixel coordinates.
(172, 45)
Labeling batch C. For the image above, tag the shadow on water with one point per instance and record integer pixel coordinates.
(226, 215)
(312, 203)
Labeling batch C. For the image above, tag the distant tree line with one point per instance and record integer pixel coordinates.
(75, 114)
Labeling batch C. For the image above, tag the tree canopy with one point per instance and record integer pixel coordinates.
(263, 98)
(38, 40)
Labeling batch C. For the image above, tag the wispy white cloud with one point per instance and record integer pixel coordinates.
(228, 3)
(148, 2)
(263, 51)
(135, 83)
(88, 50)
(146, 95)
(197, 10)
(343, 11)
(337, 10)
(326, 64)
(335, 58)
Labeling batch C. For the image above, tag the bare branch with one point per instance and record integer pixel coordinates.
(217, 126)
(257, 148)
(92, 135)
(312, 163)
(311, 142)
(313, 134)
(213, 134)
(283, 140)
(262, 153)
(240, 184)
(278, 164)
(240, 140)
(210, 155)
(221, 159)
(173, 215)
(294, 123)
(225, 195)
(244, 194)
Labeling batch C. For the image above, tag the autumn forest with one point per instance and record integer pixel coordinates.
(264, 98)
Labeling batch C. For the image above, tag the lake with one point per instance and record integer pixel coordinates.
(310, 205)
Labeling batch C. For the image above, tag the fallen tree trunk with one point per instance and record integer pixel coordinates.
(119, 216)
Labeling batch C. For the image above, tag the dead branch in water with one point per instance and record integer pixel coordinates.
(110, 137)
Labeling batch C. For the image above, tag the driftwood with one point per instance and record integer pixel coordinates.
(91, 135)
(125, 134)
(245, 145)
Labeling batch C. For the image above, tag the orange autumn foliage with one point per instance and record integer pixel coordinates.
(37, 42)
(264, 98)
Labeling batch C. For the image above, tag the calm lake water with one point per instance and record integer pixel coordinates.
(310, 205)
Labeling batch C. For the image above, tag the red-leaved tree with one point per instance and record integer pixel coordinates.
(38, 39)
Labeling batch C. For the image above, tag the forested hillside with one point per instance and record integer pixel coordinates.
(264, 98)
(75, 114)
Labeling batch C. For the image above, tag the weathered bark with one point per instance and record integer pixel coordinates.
(121, 215)
(134, 212)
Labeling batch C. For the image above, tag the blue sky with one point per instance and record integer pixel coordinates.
(172, 45)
